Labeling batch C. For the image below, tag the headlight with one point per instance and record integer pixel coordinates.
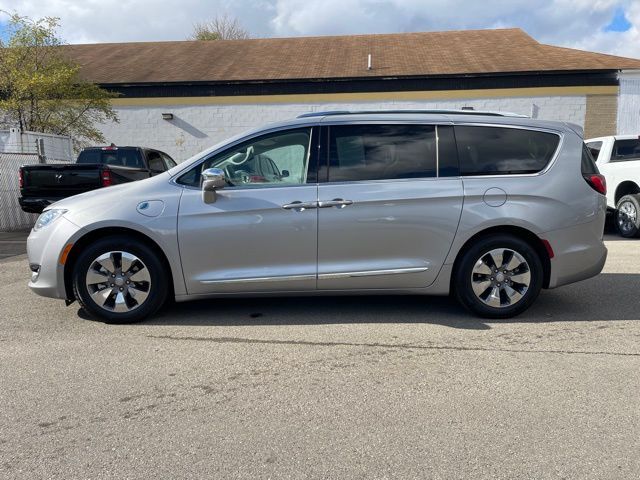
(48, 217)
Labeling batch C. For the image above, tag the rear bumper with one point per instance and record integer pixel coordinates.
(579, 254)
(35, 205)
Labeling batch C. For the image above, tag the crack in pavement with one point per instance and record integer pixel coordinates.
(384, 345)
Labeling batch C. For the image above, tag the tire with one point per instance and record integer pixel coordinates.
(628, 216)
(476, 281)
(119, 280)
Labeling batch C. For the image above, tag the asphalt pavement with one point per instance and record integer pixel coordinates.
(349, 387)
(13, 243)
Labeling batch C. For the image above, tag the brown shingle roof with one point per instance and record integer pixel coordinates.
(403, 54)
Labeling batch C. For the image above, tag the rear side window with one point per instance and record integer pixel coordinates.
(626, 150)
(503, 151)
(594, 149)
(377, 152)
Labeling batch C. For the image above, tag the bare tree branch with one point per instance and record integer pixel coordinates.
(222, 27)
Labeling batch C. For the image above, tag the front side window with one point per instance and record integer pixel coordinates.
(168, 161)
(381, 152)
(503, 151)
(626, 150)
(276, 159)
(155, 162)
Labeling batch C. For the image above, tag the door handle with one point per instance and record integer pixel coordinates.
(299, 206)
(336, 202)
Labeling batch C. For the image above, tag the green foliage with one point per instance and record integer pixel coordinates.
(41, 89)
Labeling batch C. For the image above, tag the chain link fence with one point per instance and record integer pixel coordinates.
(25, 148)
(11, 215)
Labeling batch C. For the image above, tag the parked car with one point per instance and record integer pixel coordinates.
(618, 158)
(96, 167)
(491, 207)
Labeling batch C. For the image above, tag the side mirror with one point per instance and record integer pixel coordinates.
(285, 173)
(212, 180)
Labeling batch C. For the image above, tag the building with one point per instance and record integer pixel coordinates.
(185, 96)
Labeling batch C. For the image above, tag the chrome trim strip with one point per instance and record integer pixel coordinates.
(283, 278)
(368, 273)
(437, 153)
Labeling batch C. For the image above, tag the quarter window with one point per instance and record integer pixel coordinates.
(588, 163)
(277, 159)
(502, 151)
(376, 152)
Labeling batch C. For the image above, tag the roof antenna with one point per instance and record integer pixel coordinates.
(369, 62)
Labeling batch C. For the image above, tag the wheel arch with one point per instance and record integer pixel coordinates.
(103, 232)
(628, 187)
(519, 232)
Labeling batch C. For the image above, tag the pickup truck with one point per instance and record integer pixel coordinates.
(96, 167)
(618, 159)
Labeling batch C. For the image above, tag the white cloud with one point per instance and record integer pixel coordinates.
(571, 23)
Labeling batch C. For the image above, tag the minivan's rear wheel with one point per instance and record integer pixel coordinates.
(628, 216)
(498, 277)
(119, 280)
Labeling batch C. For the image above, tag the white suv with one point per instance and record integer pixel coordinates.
(618, 159)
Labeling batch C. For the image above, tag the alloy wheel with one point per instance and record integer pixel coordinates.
(627, 216)
(118, 281)
(500, 278)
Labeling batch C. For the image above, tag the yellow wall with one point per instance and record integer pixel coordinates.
(369, 96)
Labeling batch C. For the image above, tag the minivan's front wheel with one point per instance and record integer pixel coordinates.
(498, 277)
(628, 216)
(119, 280)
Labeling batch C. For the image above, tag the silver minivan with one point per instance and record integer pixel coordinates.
(490, 207)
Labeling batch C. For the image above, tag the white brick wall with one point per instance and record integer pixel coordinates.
(196, 127)
(629, 103)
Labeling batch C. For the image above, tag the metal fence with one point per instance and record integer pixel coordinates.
(11, 215)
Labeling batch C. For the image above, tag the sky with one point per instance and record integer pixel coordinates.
(608, 26)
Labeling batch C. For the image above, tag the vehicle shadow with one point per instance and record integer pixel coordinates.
(605, 297)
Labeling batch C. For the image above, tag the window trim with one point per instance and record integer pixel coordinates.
(312, 158)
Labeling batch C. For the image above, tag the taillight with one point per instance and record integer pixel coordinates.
(597, 182)
(20, 178)
(107, 181)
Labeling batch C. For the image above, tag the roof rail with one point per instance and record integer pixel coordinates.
(433, 112)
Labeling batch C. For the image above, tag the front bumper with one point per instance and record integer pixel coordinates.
(44, 249)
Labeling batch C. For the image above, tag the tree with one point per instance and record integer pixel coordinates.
(223, 27)
(41, 89)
